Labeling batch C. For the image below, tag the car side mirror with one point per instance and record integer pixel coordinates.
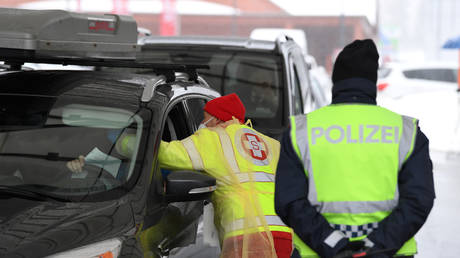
(183, 186)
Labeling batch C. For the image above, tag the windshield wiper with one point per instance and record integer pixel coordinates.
(27, 193)
(50, 156)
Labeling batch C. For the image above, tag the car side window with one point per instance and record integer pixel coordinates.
(176, 126)
(314, 95)
(438, 74)
(195, 107)
(298, 104)
(296, 91)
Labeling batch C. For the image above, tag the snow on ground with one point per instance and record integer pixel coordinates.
(439, 115)
(439, 236)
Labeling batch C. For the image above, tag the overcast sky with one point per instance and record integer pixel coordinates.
(293, 7)
(330, 7)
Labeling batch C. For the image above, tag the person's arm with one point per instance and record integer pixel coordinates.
(416, 197)
(173, 155)
(293, 207)
(124, 145)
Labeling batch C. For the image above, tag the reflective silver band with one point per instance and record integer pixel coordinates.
(368, 243)
(334, 238)
(302, 143)
(255, 176)
(197, 162)
(407, 139)
(405, 144)
(227, 147)
(355, 207)
(301, 135)
(271, 220)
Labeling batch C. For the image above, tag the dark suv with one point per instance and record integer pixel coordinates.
(121, 204)
(271, 78)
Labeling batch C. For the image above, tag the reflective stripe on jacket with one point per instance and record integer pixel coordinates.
(243, 162)
(352, 154)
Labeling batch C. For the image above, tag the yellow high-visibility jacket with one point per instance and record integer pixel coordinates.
(243, 161)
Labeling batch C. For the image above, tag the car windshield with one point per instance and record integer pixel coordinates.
(42, 137)
(256, 78)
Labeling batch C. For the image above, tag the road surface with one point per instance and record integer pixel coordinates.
(439, 237)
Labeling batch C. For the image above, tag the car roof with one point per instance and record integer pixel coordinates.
(90, 84)
(208, 41)
(126, 88)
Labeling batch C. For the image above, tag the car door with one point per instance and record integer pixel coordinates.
(311, 96)
(195, 106)
(297, 97)
(169, 225)
(178, 225)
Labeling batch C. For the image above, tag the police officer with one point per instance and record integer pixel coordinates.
(353, 176)
(243, 161)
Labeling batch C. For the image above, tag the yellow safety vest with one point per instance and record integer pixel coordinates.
(352, 155)
(243, 161)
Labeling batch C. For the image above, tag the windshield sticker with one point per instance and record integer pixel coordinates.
(98, 158)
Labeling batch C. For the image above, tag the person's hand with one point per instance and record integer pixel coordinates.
(352, 247)
(76, 165)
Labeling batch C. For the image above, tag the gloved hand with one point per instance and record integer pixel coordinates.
(353, 247)
(76, 165)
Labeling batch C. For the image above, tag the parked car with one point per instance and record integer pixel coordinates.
(319, 76)
(271, 78)
(396, 80)
(271, 34)
(120, 205)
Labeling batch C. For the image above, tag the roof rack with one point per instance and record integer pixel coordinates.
(15, 60)
(57, 33)
(68, 38)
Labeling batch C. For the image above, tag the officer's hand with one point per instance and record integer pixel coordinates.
(353, 247)
(76, 165)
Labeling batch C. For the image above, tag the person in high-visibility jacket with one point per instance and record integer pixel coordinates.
(353, 176)
(243, 161)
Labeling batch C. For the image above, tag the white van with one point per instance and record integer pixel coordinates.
(272, 34)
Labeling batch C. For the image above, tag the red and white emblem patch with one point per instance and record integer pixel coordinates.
(255, 147)
(252, 147)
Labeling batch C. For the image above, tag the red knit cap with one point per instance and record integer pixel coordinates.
(225, 107)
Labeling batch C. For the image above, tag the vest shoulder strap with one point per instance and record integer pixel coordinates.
(195, 158)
